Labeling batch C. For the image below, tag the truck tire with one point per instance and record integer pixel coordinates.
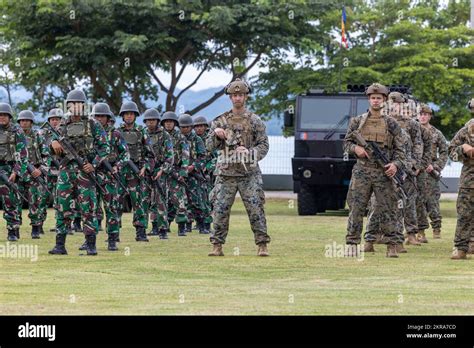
(306, 201)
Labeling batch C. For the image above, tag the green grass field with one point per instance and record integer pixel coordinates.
(177, 277)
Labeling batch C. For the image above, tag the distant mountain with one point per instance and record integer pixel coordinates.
(189, 100)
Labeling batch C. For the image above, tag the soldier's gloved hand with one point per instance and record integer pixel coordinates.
(360, 152)
(158, 175)
(57, 147)
(35, 173)
(429, 169)
(390, 169)
(142, 172)
(190, 168)
(220, 133)
(12, 177)
(88, 168)
(242, 150)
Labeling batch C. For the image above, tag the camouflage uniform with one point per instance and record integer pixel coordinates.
(244, 176)
(421, 179)
(439, 157)
(162, 145)
(31, 188)
(465, 202)
(368, 176)
(13, 158)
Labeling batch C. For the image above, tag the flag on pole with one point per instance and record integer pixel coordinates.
(343, 28)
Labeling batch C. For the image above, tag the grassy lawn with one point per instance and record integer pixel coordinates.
(177, 277)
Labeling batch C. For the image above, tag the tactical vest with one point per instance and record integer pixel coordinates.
(238, 130)
(157, 144)
(7, 145)
(375, 129)
(79, 135)
(34, 154)
(134, 141)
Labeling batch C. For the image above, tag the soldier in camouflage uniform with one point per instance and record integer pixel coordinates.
(201, 127)
(176, 180)
(139, 146)
(76, 186)
(54, 118)
(31, 184)
(422, 178)
(197, 184)
(240, 137)
(461, 149)
(13, 162)
(439, 157)
(163, 152)
(411, 133)
(118, 159)
(368, 176)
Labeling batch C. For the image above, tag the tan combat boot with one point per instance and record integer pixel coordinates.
(216, 250)
(369, 247)
(262, 250)
(422, 237)
(401, 249)
(471, 248)
(458, 255)
(392, 250)
(411, 240)
(437, 233)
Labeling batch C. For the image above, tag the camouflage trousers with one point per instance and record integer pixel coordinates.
(138, 196)
(158, 205)
(76, 192)
(433, 192)
(10, 202)
(465, 222)
(177, 201)
(368, 179)
(251, 191)
(406, 216)
(33, 191)
(421, 200)
(110, 201)
(51, 181)
(198, 200)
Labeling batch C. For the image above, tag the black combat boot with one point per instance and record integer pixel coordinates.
(60, 247)
(17, 232)
(189, 227)
(141, 235)
(12, 235)
(91, 249)
(163, 233)
(77, 225)
(112, 242)
(35, 232)
(154, 231)
(205, 229)
(182, 229)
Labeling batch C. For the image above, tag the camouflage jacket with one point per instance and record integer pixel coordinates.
(119, 155)
(426, 138)
(211, 157)
(162, 145)
(253, 137)
(197, 151)
(395, 151)
(439, 149)
(36, 141)
(53, 171)
(20, 153)
(414, 143)
(181, 152)
(464, 136)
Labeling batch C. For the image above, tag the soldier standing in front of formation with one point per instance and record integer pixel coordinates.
(13, 163)
(31, 185)
(76, 185)
(163, 152)
(118, 159)
(461, 149)
(196, 189)
(368, 176)
(240, 137)
(138, 143)
(439, 157)
(201, 127)
(176, 180)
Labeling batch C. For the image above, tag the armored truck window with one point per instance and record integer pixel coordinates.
(362, 105)
(323, 113)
